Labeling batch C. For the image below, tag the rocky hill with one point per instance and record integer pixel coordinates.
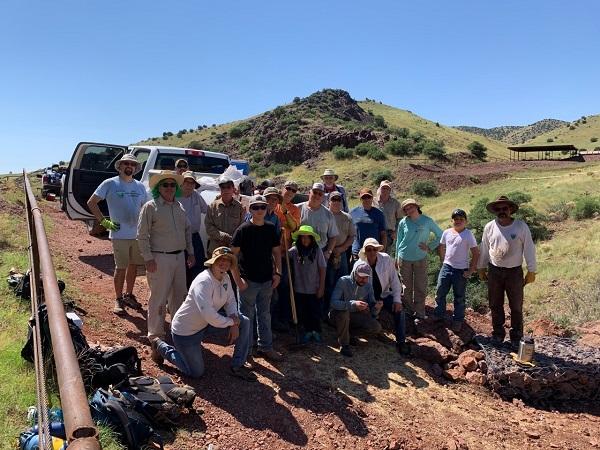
(516, 134)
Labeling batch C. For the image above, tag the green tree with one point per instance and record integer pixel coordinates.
(400, 147)
(434, 150)
(478, 150)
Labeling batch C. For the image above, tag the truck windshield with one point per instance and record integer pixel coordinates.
(202, 164)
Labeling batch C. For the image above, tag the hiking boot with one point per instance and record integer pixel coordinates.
(131, 301)
(456, 326)
(384, 338)
(243, 373)
(154, 353)
(119, 306)
(354, 341)
(404, 349)
(271, 355)
(346, 351)
(250, 363)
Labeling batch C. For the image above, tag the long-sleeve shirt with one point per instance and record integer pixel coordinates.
(411, 233)
(290, 221)
(194, 207)
(163, 227)
(206, 297)
(506, 246)
(388, 277)
(221, 222)
(347, 292)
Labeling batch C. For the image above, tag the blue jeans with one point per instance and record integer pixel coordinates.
(451, 277)
(256, 300)
(332, 275)
(186, 355)
(192, 272)
(399, 320)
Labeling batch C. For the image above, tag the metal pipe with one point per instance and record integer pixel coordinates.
(76, 411)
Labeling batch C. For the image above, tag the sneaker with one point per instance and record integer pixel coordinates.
(250, 362)
(384, 338)
(154, 353)
(243, 373)
(456, 326)
(404, 349)
(271, 355)
(346, 351)
(317, 337)
(131, 301)
(119, 306)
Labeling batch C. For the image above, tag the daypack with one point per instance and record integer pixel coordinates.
(111, 367)
(29, 440)
(116, 411)
(21, 285)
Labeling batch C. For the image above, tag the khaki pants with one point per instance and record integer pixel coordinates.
(414, 277)
(167, 290)
(346, 322)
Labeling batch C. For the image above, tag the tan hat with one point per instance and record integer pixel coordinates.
(335, 194)
(128, 157)
(369, 242)
(189, 175)
(385, 183)
(291, 184)
(329, 172)
(491, 206)
(156, 176)
(409, 201)
(272, 191)
(221, 252)
(318, 187)
(257, 200)
(364, 192)
(181, 160)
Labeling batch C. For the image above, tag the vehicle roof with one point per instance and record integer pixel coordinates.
(182, 150)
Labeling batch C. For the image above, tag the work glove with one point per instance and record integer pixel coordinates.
(483, 274)
(529, 278)
(110, 225)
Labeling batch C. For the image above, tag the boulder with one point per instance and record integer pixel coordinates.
(455, 374)
(432, 351)
(467, 362)
(476, 378)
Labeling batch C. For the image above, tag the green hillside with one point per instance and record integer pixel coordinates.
(580, 133)
(455, 140)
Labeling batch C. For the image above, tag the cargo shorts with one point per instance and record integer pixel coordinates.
(126, 252)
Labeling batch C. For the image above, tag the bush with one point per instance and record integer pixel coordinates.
(425, 188)
(278, 168)
(586, 208)
(236, 132)
(380, 121)
(478, 150)
(434, 150)
(519, 197)
(549, 140)
(341, 152)
(363, 148)
(593, 139)
(560, 211)
(400, 147)
(381, 175)
(376, 154)
(400, 132)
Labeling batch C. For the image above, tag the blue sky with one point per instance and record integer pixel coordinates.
(122, 71)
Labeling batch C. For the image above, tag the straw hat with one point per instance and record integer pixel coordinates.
(369, 242)
(221, 252)
(129, 157)
(409, 201)
(189, 175)
(491, 206)
(305, 230)
(330, 172)
(158, 175)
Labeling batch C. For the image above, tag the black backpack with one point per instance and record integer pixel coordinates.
(111, 367)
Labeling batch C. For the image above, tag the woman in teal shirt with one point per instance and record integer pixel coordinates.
(412, 246)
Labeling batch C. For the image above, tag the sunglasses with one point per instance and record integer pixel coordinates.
(370, 249)
(258, 207)
(287, 188)
(335, 199)
(168, 185)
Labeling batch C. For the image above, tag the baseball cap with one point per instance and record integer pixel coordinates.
(362, 269)
(318, 187)
(459, 213)
(257, 200)
(365, 192)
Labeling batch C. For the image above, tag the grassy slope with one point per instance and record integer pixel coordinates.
(580, 136)
(567, 263)
(454, 140)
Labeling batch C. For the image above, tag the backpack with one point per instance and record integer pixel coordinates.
(117, 412)
(111, 367)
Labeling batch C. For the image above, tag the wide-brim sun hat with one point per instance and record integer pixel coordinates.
(273, 191)
(330, 172)
(409, 201)
(221, 252)
(369, 242)
(156, 176)
(305, 230)
(189, 175)
(491, 206)
(131, 158)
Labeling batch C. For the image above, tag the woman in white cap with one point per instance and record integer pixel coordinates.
(194, 206)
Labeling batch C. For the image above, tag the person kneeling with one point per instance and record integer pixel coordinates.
(198, 317)
(353, 306)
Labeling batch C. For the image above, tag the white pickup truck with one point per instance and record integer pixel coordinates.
(93, 163)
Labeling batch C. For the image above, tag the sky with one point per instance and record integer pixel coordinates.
(122, 71)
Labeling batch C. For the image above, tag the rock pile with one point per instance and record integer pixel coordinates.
(470, 366)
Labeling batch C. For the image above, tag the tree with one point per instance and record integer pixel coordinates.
(434, 150)
(478, 150)
(400, 147)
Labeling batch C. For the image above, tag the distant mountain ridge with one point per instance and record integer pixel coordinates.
(515, 134)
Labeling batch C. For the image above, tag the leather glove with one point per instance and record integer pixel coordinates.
(483, 274)
(110, 225)
(529, 278)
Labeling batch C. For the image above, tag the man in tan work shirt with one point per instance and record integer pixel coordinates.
(224, 215)
(163, 234)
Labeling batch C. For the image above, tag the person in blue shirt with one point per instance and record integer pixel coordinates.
(412, 246)
(369, 222)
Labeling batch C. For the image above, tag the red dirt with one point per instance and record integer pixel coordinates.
(316, 398)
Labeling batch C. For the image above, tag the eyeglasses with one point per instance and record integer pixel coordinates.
(258, 207)
(168, 185)
(335, 199)
(287, 188)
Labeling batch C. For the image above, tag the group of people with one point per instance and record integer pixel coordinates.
(345, 266)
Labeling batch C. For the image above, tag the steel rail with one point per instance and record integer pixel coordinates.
(81, 432)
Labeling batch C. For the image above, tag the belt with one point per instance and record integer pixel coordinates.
(175, 252)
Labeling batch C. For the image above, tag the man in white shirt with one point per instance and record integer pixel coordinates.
(504, 244)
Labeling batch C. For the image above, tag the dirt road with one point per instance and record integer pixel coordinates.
(316, 399)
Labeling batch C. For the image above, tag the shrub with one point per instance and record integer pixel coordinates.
(381, 175)
(278, 168)
(593, 139)
(571, 127)
(341, 152)
(236, 132)
(478, 150)
(560, 211)
(586, 208)
(519, 197)
(434, 150)
(376, 154)
(400, 147)
(549, 140)
(296, 100)
(474, 179)
(363, 148)
(165, 137)
(425, 188)
(380, 121)
(400, 132)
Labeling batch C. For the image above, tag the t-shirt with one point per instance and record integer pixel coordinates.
(256, 244)
(369, 224)
(457, 247)
(321, 220)
(306, 272)
(345, 227)
(125, 200)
